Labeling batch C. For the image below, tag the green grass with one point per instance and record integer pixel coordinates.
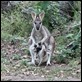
(16, 57)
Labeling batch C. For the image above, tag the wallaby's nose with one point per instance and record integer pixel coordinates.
(37, 27)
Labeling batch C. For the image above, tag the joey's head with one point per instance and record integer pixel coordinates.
(37, 47)
(37, 20)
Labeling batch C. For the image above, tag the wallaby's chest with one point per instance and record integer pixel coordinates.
(38, 36)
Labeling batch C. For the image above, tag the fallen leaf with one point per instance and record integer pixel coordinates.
(23, 70)
(26, 73)
(73, 73)
(56, 78)
(78, 71)
(25, 56)
(42, 75)
(62, 73)
(47, 71)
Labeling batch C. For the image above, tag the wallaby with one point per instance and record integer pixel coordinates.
(40, 34)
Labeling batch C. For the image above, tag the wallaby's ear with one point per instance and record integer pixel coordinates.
(41, 15)
(33, 14)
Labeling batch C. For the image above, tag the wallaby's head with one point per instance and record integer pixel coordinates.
(37, 20)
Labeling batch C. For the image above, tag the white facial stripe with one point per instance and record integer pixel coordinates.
(34, 26)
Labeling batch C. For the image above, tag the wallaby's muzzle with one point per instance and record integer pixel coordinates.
(37, 27)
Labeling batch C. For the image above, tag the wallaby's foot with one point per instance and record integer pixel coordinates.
(48, 64)
(32, 63)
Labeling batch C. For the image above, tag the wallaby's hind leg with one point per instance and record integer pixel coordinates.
(49, 53)
(50, 50)
(33, 55)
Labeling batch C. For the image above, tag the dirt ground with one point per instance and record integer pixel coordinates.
(15, 67)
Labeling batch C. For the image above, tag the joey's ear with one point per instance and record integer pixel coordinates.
(33, 14)
(41, 15)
